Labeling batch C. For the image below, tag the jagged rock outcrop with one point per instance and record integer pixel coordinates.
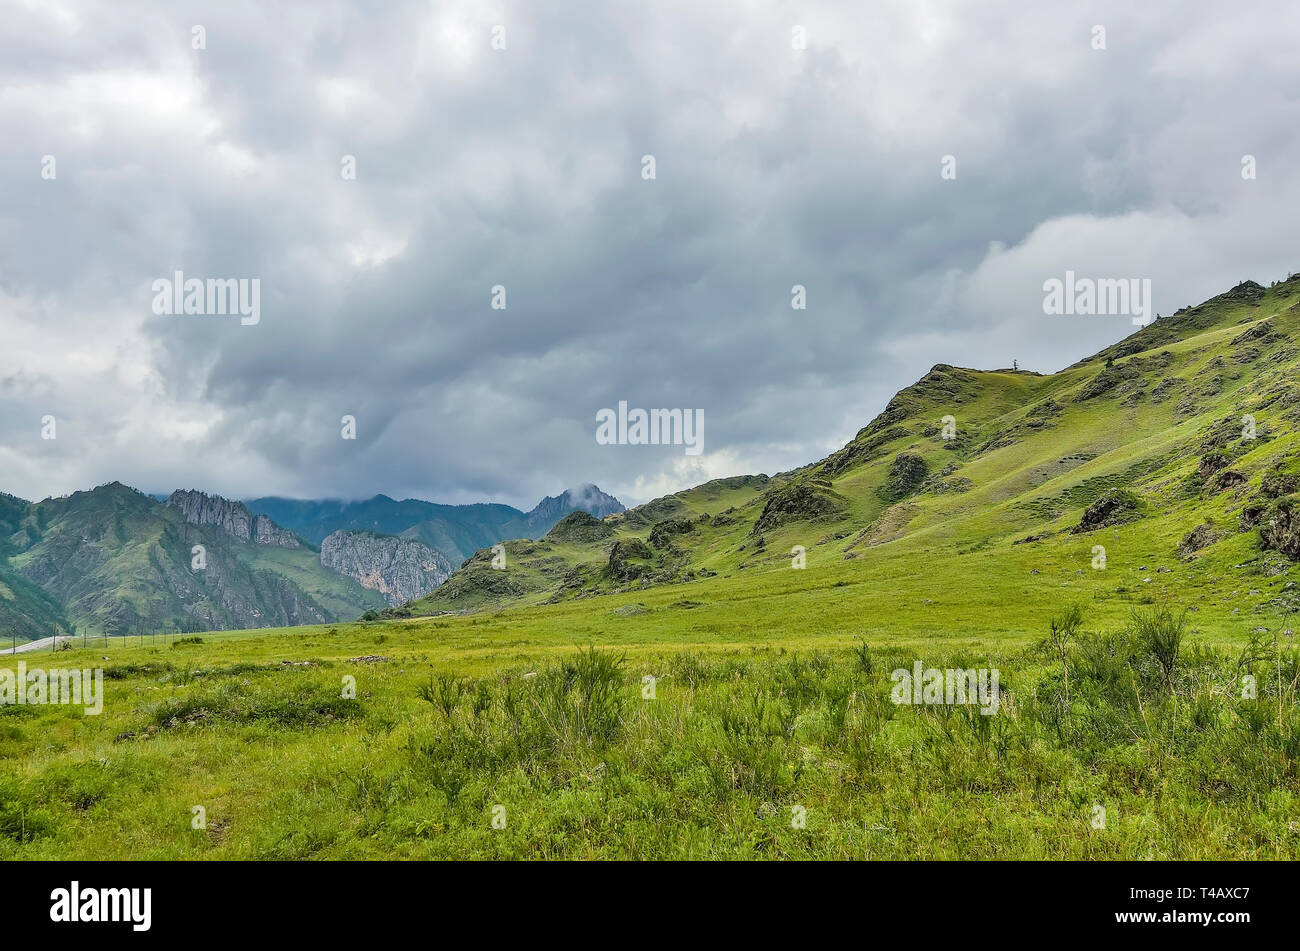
(115, 561)
(1114, 507)
(401, 569)
(234, 518)
(906, 473)
(661, 534)
(1279, 528)
(625, 559)
(579, 527)
(266, 532)
(802, 501)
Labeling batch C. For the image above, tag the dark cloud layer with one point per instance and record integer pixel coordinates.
(522, 167)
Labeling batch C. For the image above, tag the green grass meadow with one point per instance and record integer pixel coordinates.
(771, 733)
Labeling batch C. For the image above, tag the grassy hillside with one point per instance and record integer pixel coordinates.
(1151, 431)
(26, 611)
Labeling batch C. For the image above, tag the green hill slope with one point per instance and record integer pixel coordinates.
(1173, 450)
(26, 611)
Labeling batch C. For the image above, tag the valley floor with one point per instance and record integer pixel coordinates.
(769, 729)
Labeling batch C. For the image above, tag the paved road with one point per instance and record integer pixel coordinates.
(45, 644)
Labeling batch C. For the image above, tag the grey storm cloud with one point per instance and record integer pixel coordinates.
(522, 167)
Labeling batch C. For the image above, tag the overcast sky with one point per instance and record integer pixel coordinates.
(523, 167)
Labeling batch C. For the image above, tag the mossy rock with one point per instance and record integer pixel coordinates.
(1115, 507)
(1274, 485)
(477, 580)
(1279, 527)
(662, 533)
(625, 559)
(1202, 536)
(801, 502)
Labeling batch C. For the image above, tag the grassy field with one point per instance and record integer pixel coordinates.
(772, 701)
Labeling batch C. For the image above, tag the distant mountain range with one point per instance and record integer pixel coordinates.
(115, 561)
(456, 531)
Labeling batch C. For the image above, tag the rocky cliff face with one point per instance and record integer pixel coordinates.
(199, 508)
(400, 569)
(266, 532)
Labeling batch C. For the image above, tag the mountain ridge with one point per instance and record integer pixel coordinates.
(112, 561)
(455, 531)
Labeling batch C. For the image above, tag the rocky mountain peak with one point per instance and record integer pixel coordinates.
(585, 498)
